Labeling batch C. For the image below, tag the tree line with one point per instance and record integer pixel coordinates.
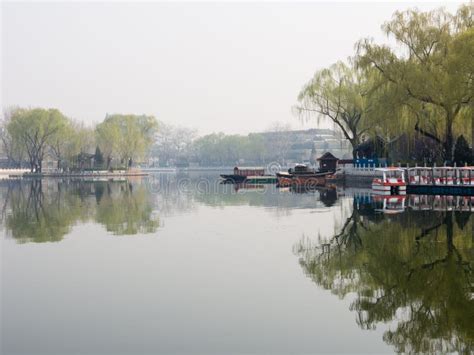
(34, 135)
(181, 146)
(421, 87)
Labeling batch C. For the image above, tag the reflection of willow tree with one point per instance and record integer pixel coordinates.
(45, 211)
(38, 216)
(127, 210)
(414, 268)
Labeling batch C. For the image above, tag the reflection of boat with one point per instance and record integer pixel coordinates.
(390, 204)
(309, 180)
(392, 181)
(246, 186)
(264, 179)
(441, 203)
(335, 177)
(241, 174)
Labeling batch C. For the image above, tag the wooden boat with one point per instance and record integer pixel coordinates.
(309, 181)
(302, 176)
(241, 173)
(283, 179)
(392, 181)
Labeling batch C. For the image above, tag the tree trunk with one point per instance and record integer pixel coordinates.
(449, 141)
(354, 144)
(354, 153)
(109, 160)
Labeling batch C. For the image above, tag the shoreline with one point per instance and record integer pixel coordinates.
(80, 175)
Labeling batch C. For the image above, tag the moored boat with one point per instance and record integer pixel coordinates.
(445, 175)
(391, 181)
(302, 176)
(283, 179)
(309, 181)
(241, 173)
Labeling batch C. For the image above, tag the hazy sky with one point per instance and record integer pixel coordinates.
(231, 67)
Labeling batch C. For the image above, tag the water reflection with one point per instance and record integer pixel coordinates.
(414, 269)
(45, 210)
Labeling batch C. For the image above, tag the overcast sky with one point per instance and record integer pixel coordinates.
(231, 67)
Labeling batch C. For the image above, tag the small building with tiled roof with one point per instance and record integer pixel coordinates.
(327, 162)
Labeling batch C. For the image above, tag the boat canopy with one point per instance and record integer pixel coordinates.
(249, 168)
(249, 171)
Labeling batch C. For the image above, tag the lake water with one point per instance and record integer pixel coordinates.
(179, 264)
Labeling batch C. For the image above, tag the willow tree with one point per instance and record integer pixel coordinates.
(60, 142)
(11, 148)
(34, 130)
(463, 60)
(108, 140)
(338, 94)
(128, 137)
(427, 67)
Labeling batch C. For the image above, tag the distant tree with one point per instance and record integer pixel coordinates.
(62, 143)
(108, 140)
(12, 148)
(128, 137)
(172, 142)
(84, 143)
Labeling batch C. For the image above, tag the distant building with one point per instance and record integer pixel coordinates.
(302, 145)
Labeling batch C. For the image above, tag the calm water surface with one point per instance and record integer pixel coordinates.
(181, 264)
